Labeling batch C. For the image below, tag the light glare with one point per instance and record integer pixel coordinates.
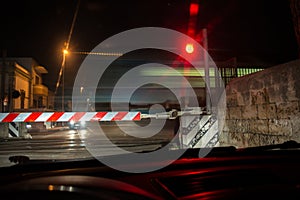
(189, 48)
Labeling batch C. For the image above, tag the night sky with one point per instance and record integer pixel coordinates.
(255, 31)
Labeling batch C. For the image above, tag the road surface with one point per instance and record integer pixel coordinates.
(64, 143)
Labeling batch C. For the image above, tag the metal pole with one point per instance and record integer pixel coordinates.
(63, 85)
(11, 86)
(3, 75)
(206, 66)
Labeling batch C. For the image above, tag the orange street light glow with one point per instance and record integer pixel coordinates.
(65, 51)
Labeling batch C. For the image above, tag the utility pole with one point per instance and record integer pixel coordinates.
(11, 85)
(65, 51)
(3, 126)
(3, 75)
(63, 86)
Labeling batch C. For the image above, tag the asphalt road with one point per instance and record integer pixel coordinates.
(64, 143)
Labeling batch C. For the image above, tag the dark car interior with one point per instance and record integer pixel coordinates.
(270, 172)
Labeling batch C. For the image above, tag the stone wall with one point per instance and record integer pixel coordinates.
(263, 108)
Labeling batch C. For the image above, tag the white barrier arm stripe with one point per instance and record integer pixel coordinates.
(21, 117)
(2, 116)
(109, 116)
(44, 117)
(66, 117)
(130, 115)
(88, 116)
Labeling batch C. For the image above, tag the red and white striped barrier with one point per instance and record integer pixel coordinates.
(69, 116)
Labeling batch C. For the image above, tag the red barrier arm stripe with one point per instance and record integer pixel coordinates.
(137, 117)
(119, 116)
(98, 116)
(32, 117)
(77, 116)
(10, 117)
(55, 116)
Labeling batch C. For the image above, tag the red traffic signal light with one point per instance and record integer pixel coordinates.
(189, 48)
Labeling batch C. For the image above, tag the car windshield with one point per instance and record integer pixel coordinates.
(90, 79)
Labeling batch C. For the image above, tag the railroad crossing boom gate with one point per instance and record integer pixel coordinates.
(197, 129)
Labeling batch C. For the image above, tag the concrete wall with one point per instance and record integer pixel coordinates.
(263, 108)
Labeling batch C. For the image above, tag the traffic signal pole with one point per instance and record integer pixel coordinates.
(192, 27)
(206, 67)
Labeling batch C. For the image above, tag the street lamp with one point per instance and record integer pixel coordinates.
(65, 51)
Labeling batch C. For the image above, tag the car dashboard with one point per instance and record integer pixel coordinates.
(226, 173)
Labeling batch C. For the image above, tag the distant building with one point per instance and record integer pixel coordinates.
(21, 85)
